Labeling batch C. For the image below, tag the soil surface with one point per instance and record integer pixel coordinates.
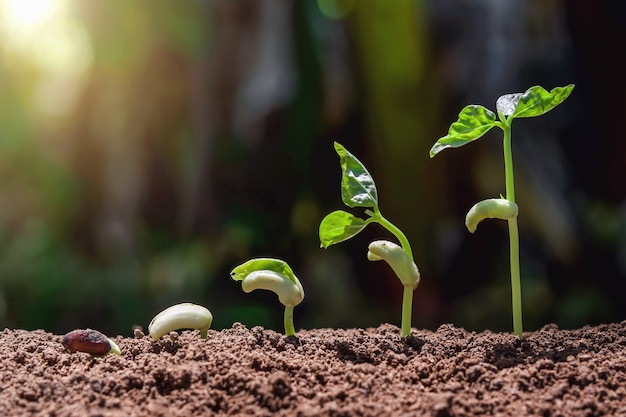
(323, 372)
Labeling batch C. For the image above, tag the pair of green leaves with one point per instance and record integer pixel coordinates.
(357, 190)
(263, 264)
(474, 120)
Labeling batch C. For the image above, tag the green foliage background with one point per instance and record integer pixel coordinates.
(148, 147)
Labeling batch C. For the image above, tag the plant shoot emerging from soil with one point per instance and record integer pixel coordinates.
(473, 122)
(181, 316)
(273, 275)
(358, 190)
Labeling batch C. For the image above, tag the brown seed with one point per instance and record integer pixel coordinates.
(88, 341)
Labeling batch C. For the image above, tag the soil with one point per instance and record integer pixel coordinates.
(322, 372)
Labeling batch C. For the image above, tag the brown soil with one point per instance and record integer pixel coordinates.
(324, 372)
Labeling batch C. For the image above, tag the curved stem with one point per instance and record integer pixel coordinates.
(404, 242)
(516, 288)
(407, 295)
(288, 321)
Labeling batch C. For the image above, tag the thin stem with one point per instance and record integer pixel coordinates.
(407, 308)
(516, 288)
(508, 163)
(407, 295)
(404, 242)
(288, 321)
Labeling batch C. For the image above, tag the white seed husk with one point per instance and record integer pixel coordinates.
(493, 208)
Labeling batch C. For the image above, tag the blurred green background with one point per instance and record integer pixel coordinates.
(149, 146)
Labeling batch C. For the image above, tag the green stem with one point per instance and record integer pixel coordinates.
(288, 321)
(407, 308)
(404, 242)
(407, 295)
(516, 288)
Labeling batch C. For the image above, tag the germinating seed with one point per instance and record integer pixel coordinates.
(89, 341)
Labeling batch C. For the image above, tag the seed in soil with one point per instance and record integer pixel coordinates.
(89, 341)
(181, 316)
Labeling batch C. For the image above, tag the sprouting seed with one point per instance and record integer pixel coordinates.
(181, 316)
(276, 276)
(89, 341)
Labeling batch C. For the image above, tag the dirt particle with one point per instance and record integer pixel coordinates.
(280, 384)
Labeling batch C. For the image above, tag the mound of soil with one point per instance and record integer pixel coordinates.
(323, 372)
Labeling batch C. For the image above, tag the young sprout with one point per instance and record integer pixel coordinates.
(273, 275)
(358, 190)
(473, 122)
(89, 341)
(181, 316)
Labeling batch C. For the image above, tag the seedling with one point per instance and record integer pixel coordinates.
(273, 275)
(358, 190)
(473, 122)
(181, 316)
(89, 341)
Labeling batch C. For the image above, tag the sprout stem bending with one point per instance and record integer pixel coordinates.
(378, 217)
(516, 287)
(358, 190)
(407, 294)
(276, 276)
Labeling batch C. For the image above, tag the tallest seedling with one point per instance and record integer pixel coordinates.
(474, 121)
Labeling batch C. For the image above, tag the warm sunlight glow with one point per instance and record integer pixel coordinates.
(63, 49)
(27, 14)
(42, 34)
(21, 19)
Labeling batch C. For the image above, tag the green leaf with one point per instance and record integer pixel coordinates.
(357, 185)
(534, 102)
(263, 264)
(473, 122)
(339, 226)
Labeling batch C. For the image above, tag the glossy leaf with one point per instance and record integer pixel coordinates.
(473, 122)
(357, 185)
(339, 226)
(534, 102)
(263, 264)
